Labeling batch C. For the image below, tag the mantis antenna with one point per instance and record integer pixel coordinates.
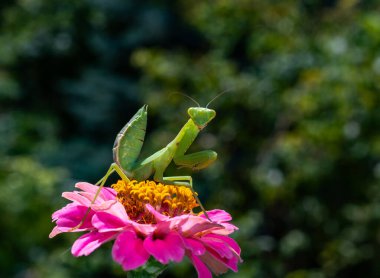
(196, 102)
(218, 95)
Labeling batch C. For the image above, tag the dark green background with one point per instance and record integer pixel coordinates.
(297, 134)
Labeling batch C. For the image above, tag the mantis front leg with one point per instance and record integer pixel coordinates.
(197, 160)
(113, 168)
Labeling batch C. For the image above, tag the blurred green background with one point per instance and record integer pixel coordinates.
(297, 135)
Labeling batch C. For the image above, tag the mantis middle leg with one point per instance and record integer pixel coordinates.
(186, 181)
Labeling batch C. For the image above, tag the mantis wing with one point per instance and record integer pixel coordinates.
(129, 141)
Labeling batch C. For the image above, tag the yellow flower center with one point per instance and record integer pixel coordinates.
(169, 200)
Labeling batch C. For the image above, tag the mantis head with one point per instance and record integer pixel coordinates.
(201, 116)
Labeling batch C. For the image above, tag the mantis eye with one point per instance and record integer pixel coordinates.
(192, 111)
(201, 116)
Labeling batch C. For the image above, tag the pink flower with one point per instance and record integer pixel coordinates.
(148, 219)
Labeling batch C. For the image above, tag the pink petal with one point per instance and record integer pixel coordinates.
(220, 255)
(159, 217)
(91, 197)
(219, 246)
(219, 264)
(71, 216)
(106, 222)
(108, 193)
(103, 205)
(188, 225)
(55, 232)
(145, 229)
(165, 248)
(228, 240)
(194, 246)
(87, 187)
(215, 264)
(221, 217)
(105, 193)
(128, 250)
(76, 198)
(112, 207)
(203, 271)
(87, 243)
(87, 196)
(218, 215)
(226, 230)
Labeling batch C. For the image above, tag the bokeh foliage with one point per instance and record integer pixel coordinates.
(297, 133)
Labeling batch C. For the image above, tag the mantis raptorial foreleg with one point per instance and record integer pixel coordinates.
(197, 160)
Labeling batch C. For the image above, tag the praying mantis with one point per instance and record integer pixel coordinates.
(130, 139)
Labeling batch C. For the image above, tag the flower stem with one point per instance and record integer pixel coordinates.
(151, 269)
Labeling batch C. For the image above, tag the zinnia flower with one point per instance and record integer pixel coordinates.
(147, 219)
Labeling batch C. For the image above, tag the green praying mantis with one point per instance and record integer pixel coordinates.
(130, 139)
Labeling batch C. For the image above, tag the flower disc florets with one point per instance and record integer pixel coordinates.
(169, 200)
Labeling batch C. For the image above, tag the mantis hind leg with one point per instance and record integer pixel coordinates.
(186, 181)
(113, 168)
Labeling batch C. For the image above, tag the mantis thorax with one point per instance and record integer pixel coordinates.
(201, 116)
